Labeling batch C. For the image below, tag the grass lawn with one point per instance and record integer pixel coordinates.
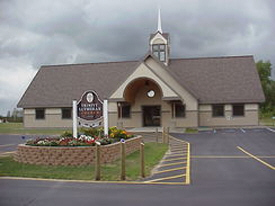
(267, 121)
(17, 128)
(153, 154)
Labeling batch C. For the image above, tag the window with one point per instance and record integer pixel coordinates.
(66, 113)
(218, 110)
(178, 109)
(40, 113)
(159, 52)
(124, 110)
(238, 110)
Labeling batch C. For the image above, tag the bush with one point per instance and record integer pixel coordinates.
(191, 130)
(119, 134)
(98, 132)
(67, 134)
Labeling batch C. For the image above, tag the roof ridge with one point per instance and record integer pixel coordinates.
(60, 65)
(214, 57)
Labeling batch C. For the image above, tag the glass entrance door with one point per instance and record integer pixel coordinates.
(151, 116)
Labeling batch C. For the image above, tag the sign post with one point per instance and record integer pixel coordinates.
(105, 116)
(74, 119)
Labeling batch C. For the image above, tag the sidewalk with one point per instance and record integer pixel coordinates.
(175, 165)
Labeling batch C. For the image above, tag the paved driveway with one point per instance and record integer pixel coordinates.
(8, 143)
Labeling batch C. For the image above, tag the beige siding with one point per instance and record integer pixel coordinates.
(249, 119)
(143, 72)
(190, 120)
(141, 99)
(53, 118)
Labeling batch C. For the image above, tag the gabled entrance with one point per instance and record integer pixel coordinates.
(151, 116)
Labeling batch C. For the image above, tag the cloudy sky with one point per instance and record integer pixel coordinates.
(39, 32)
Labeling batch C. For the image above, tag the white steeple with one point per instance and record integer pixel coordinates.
(159, 23)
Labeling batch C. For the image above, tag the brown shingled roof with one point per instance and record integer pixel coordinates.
(212, 80)
(58, 85)
(220, 79)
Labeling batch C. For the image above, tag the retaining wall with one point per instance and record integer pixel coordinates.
(75, 156)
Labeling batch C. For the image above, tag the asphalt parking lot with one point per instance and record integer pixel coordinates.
(232, 156)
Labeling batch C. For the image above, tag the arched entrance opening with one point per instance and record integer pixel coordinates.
(144, 96)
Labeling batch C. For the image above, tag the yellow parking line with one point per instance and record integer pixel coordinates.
(175, 159)
(228, 157)
(187, 179)
(177, 145)
(96, 182)
(256, 158)
(6, 145)
(170, 170)
(4, 153)
(176, 155)
(267, 157)
(178, 150)
(218, 157)
(165, 178)
(171, 164)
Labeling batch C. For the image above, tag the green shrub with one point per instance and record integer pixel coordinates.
(67, 134)
(191, 130)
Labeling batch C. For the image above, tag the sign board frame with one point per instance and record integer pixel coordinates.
(90, 106)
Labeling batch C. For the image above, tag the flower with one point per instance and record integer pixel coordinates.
(115, 135)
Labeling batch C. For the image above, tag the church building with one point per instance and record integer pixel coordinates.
(155, 91)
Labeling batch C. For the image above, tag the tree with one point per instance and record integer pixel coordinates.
(264, 70)
(268, 85)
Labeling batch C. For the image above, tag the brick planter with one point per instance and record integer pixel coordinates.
(76, 156)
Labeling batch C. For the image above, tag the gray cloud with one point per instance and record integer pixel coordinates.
(33, 33)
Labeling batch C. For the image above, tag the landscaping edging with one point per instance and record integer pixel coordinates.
(75, 156)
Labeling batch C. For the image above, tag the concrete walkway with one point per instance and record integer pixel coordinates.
(175, 165)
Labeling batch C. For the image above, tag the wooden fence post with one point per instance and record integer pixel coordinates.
(123, 171)
(157, 135)
(167, 135)
(142, 161)
(97, 158)
(163, 134)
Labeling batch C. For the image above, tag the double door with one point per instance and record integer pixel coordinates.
(151, 116)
